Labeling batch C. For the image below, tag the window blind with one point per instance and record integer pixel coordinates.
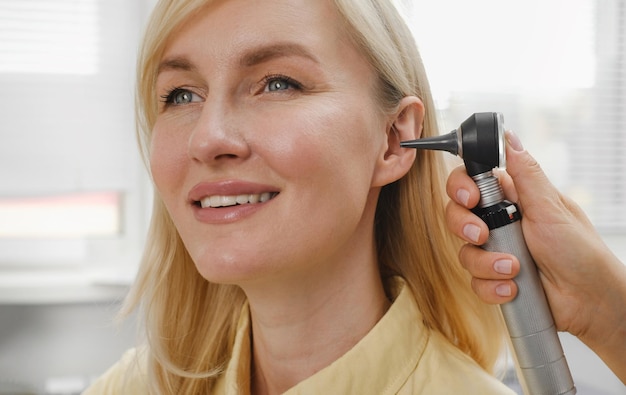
(67, 97)
(49, 37)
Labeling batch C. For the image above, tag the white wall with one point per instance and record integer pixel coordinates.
(43, 345)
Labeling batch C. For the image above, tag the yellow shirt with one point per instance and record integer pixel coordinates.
(398, 356)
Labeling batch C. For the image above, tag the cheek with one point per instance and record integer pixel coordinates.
(167, 161)
(329, 137)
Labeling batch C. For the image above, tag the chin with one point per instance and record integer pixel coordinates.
(228, 270)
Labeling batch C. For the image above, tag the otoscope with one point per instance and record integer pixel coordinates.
(480, 142)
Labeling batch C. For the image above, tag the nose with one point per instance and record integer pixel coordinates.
(217, 136)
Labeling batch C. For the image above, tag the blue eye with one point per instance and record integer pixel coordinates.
(277, 85)
(179, 96)
(274, 83)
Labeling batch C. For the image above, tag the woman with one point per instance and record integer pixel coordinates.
(294, 245)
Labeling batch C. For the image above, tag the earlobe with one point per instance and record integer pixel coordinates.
(405, 124)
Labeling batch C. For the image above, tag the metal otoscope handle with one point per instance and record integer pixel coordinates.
(528, 318)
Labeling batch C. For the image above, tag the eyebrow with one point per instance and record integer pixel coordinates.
(266, 53)
(177, 63)
(251, 58)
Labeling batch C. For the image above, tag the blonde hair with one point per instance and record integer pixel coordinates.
(190, 322)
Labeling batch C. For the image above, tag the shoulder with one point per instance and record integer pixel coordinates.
(127, 376)
(444, 369)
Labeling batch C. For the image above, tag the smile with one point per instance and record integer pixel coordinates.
(233, 200)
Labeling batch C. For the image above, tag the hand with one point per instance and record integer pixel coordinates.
(584, 282)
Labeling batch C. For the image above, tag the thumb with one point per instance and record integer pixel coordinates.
(532, 185)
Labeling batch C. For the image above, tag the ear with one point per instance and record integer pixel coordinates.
(406, 124)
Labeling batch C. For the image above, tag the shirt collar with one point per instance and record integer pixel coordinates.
(379, 364)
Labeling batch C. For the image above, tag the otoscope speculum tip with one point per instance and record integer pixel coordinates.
(448, 142)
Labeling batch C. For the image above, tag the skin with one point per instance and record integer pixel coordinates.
(311, 134)
(584, 282)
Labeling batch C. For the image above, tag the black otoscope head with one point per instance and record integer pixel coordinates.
(479, 141)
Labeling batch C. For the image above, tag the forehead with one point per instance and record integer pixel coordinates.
(225, 27)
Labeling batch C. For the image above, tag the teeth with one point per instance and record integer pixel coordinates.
(229, 200)
(215, 201)
(225, 200)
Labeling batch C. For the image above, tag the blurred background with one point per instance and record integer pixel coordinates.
(75, 198)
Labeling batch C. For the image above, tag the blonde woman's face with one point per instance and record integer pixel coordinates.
(266, 144)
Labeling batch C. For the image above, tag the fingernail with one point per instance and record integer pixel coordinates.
(503, 266)
(463, 196)
(503, 290)
(471, 232)
(514, 141)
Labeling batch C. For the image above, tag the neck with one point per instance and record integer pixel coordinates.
(301, 329)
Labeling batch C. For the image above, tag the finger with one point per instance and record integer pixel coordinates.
(510, 193)
(494, 291)
(465, 224)
(461, 188)
(531, 183)
(486, 265)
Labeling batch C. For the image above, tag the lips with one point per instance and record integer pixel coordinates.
(228, 201)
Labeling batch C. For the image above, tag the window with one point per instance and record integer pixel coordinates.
(556, 70)
(65, 216)
(73, 187)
